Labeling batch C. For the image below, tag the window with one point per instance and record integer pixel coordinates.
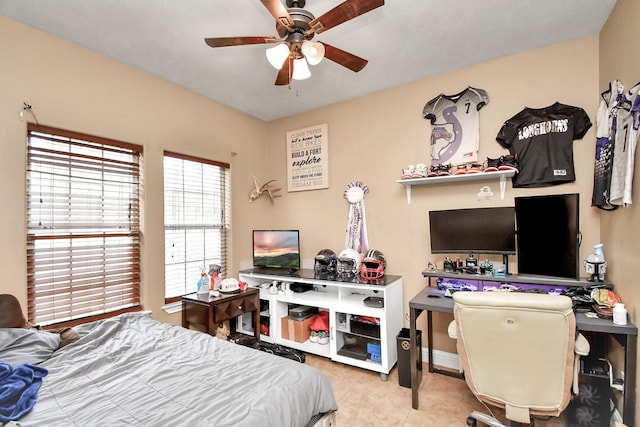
(83, 225)
(196, 220)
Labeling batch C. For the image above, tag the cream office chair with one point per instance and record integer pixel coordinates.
(517, 352)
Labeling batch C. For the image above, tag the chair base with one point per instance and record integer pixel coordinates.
(489, 420)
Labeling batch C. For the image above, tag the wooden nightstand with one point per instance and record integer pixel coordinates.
(208, 311)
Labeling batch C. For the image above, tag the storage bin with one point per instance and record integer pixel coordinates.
(366, 329)
(374, 350)
(295, 330)
(354, 346)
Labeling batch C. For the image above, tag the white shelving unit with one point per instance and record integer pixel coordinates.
(482, 176)
(344, 300)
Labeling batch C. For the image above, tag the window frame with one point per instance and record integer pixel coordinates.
(72, 278)
(222, 224)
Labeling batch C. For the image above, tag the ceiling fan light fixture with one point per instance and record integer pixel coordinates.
(300, 69)
(313, 51)
(277, 55)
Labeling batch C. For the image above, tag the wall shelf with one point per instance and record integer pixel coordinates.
(482, 176)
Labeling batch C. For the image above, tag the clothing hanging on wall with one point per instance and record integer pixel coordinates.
(625, 148)
(455, 131)
(541, 140)
(605, 138)
(618, 122)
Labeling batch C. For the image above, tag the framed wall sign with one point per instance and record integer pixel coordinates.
(308, 158)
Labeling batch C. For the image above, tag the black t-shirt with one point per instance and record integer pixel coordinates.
(542, 142)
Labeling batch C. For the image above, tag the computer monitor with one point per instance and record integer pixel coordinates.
(548, 235)
(478, 230)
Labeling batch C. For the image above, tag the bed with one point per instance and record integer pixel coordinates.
(132, 370)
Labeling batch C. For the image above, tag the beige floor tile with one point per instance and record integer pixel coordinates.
(364, 400)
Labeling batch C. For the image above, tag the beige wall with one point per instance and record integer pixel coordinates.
(72, 88)
(372, 138)
(620, 231)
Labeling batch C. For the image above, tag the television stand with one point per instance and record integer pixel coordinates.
(353, 339)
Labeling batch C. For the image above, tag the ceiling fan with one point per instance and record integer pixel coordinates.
(296, 28)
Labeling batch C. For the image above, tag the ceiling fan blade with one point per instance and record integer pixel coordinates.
(285, 73)
(238, 41)
(344, 58)
(278, 11)
(342, 13)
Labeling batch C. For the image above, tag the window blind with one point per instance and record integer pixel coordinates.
(83, 225)
(196, 220)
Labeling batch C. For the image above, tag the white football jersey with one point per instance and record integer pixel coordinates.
(455, 132)
(626, 138)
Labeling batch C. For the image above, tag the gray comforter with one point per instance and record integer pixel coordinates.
(132, 370)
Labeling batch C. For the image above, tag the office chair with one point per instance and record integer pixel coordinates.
(517, 352)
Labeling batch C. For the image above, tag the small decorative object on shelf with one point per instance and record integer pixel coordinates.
(485, 193)
(499, 270)
(486, 268)
(595, 264)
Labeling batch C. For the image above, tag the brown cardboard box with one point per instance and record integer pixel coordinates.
(284, 327)
(295, 330)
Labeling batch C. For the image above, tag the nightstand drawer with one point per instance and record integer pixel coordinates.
(206, 312)
(235, 307)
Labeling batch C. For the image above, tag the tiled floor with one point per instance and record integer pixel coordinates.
(365, 400)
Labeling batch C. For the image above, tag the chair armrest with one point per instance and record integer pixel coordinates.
(581, 346)
(453, 332)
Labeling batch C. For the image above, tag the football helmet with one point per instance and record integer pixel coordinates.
(325, 261)
(372, 265)
(348, 262)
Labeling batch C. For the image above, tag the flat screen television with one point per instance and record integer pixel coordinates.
(548, 235)
(276, 249)
(478, 230)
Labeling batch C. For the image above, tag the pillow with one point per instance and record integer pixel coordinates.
(11, 317)
(10, 312)
(18, 346)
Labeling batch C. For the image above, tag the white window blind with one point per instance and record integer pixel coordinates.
(83, 225)
(196, 220)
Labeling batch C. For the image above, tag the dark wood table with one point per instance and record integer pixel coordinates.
(208, 311)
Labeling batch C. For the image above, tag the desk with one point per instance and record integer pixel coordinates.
(208, 311)
(431, 299)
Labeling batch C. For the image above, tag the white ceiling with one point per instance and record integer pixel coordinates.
(404, 41)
